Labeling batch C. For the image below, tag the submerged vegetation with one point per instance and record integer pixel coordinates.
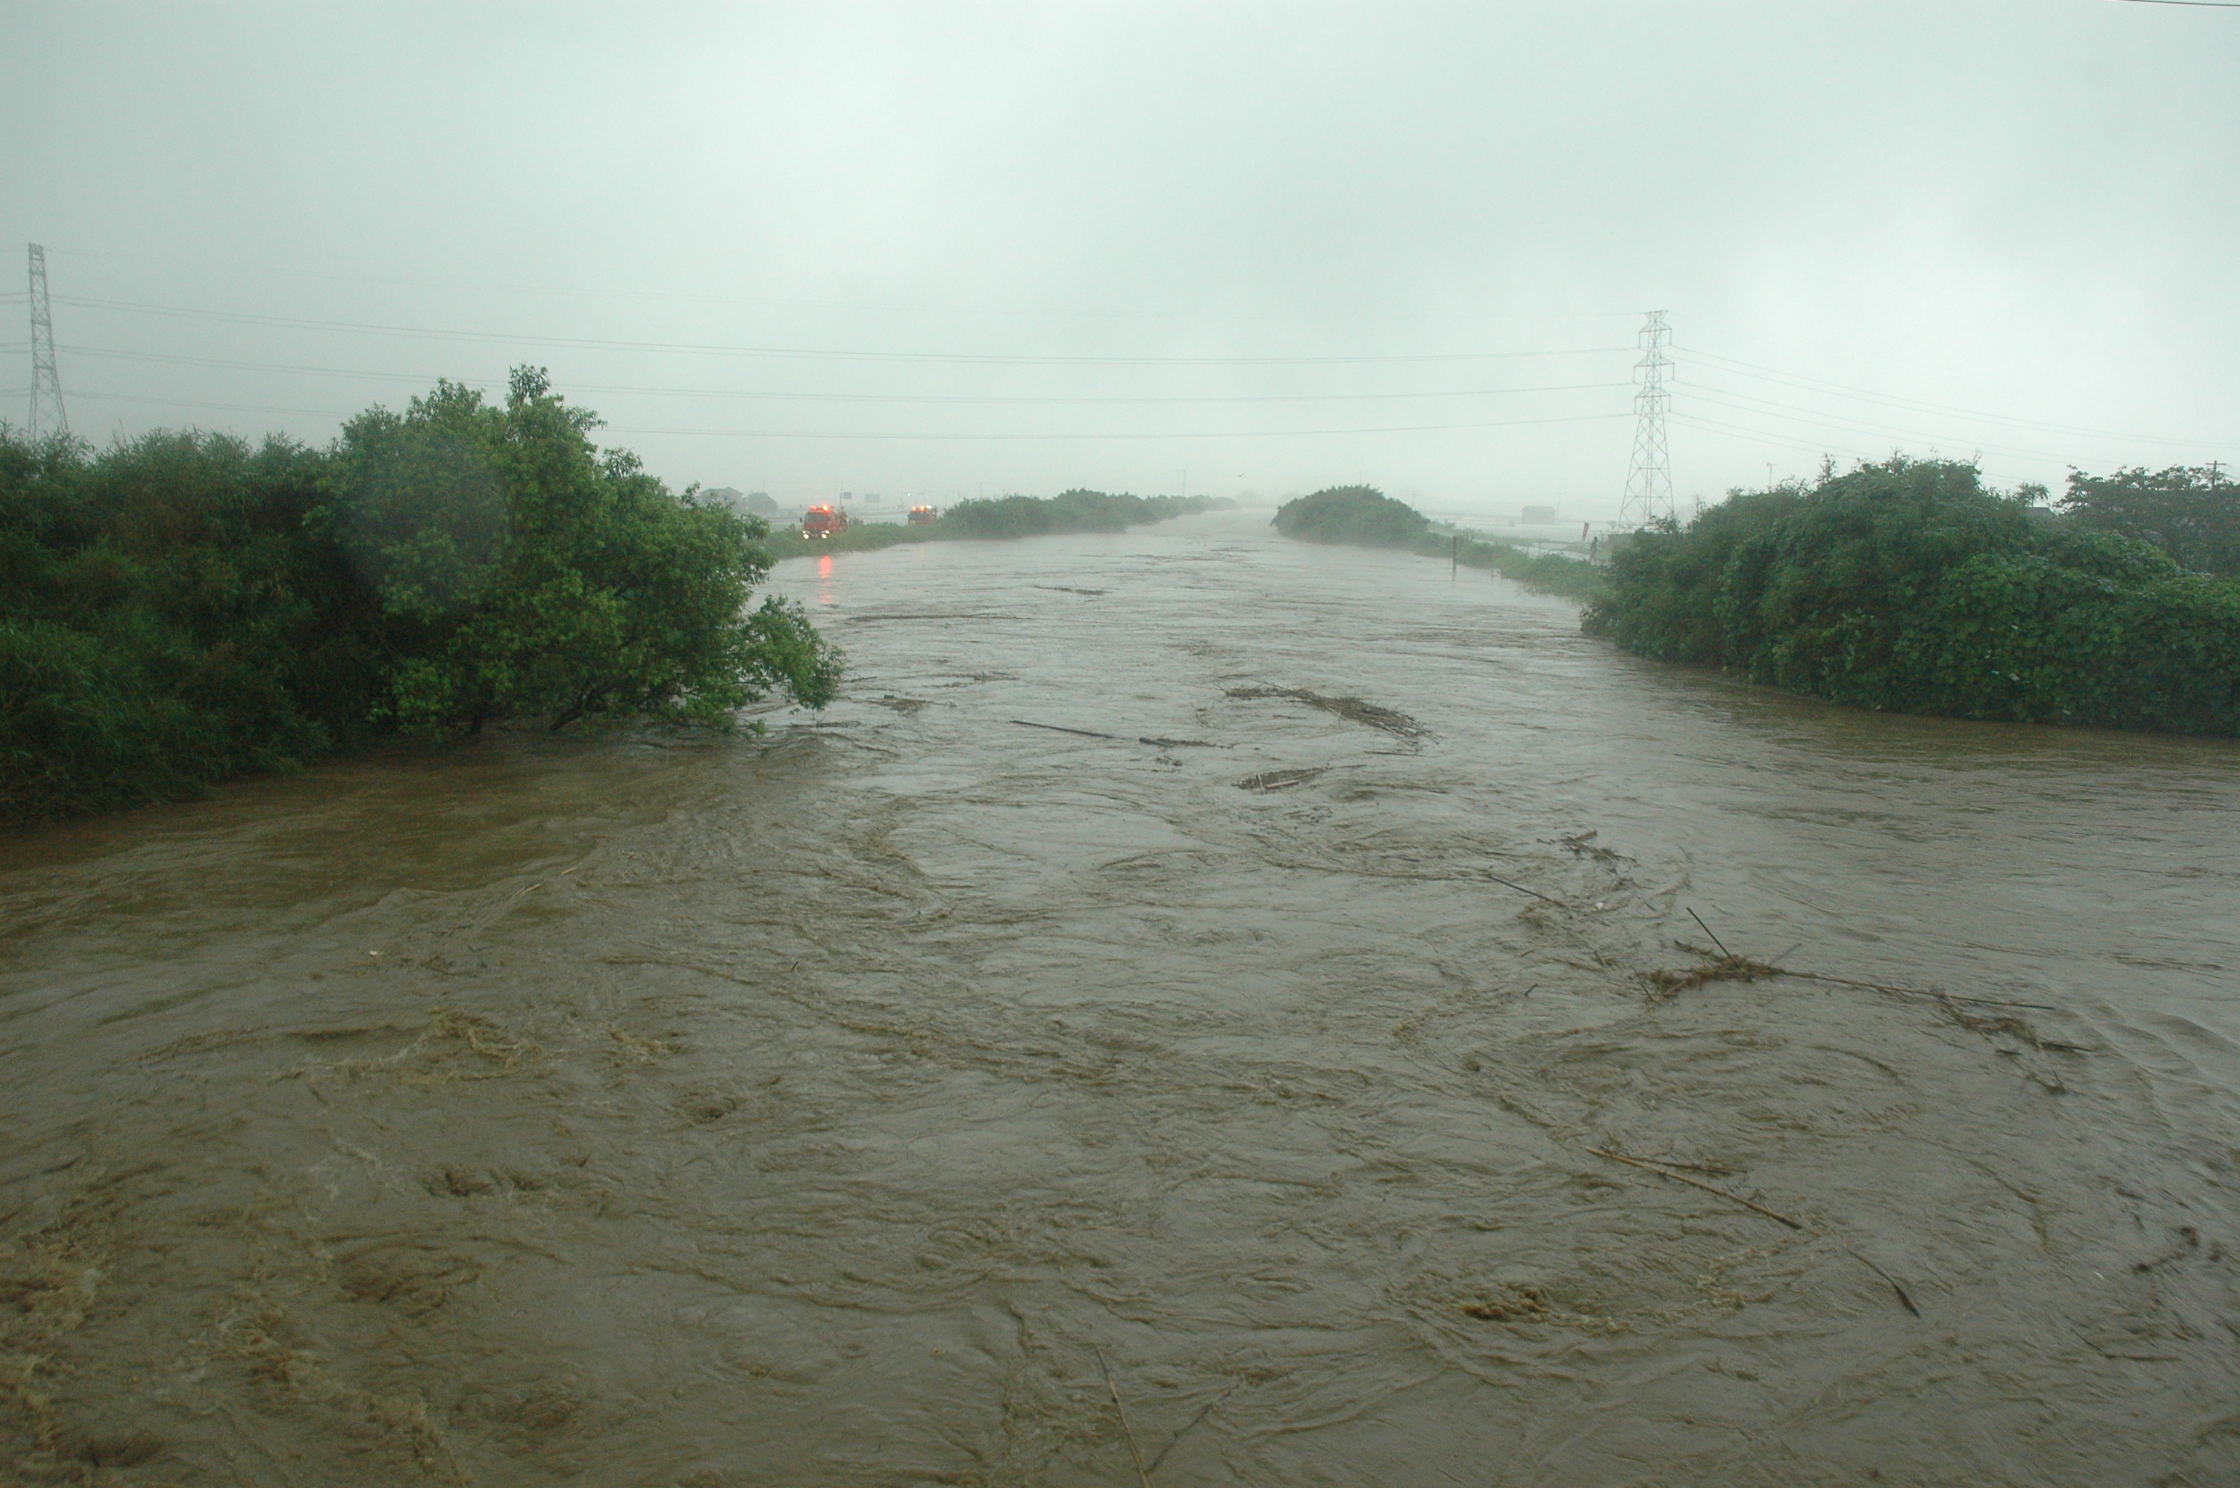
(1363, 516)
(1909, 586)
(1549, 573)
(1003, 517)
(181, 609)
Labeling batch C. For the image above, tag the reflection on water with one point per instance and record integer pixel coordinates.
(839, 1107)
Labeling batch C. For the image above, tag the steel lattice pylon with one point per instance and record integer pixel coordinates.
(1649, 478)
(47, 415)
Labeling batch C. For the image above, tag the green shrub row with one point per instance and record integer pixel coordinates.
(1002, 517)
(182, 609)
(1908, 586)
(1549, 573)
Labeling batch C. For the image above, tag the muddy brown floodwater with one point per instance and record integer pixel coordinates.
(1256, 1038)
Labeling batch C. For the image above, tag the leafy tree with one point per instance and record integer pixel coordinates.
(2190, 512)
(181, 609)
(524, 575)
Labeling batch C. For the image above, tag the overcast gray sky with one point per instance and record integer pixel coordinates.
(941, 249)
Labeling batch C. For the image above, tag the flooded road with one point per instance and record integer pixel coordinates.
(1189, 969)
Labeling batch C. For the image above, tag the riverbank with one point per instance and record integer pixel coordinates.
(999, 518)
(1364, 517)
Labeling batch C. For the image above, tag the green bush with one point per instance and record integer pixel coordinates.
(166, 621)
(1069, 511)
(1003, 517)
(1360, 515)
(2191, 513)
(521, 574)
(1907, 586)
(180, 609)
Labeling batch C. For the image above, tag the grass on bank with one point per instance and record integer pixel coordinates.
(1000, 517)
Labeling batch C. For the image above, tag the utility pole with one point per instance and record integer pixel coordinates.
(46, 385)
(1649, 476)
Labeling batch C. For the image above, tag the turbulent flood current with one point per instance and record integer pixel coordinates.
(1201, 1009)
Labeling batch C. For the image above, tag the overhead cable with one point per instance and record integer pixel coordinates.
(816, 353)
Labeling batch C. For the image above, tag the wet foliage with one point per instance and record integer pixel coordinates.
(181, 609)
(1070, 511)
(999, 517)
(2190, 512)
(1908, 586)
(169, 616)
(1360, 515)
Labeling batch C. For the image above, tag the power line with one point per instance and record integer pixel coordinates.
(1083, 438)
(425, 380)
(1765, 408)
(940, 437)
(1759, 372)
(816, 353)
(266, 271)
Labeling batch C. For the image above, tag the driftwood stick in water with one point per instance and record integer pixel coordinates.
(1929, 992)
(1886, 1276)
(1059, 728)
(1520, 888)
(1709, 1188)
(1134, 1450)
(1715, 940)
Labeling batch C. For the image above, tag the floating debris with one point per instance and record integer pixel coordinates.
(1276, 780)
(1663, 1171)
(1724, 969)
(1059, 728)
(1518, 1304)
(1352, 709)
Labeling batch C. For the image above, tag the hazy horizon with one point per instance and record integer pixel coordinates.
(944, 251)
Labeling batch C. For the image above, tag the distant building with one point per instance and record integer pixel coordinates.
(1537, 514)
(754, 503)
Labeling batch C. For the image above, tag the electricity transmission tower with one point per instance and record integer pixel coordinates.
(47, 416)
(1649, 478)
